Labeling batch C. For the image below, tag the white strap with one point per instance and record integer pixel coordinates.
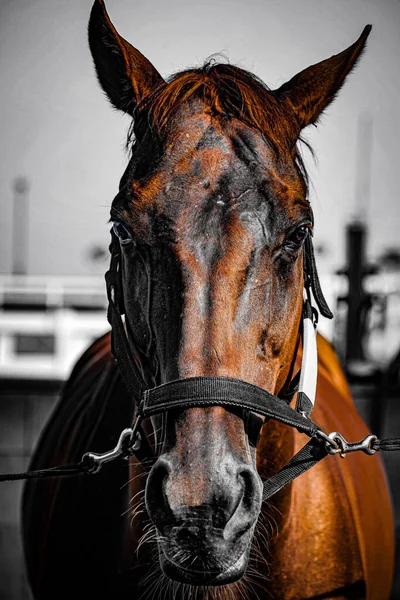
(309, 363)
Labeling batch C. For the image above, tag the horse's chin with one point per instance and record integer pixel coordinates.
(212, 576)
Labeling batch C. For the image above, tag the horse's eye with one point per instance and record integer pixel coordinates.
(123, 232)
(298, 236)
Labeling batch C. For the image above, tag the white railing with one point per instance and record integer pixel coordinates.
(57, 315)
(71, 331)
(36, 306)
(53, 291)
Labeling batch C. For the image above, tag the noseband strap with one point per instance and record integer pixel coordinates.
(222, 391)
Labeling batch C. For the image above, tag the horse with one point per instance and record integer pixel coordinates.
(211, 238)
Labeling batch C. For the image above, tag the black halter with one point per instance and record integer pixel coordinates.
(251, 400)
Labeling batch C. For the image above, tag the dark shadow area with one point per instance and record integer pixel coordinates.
(24, 409)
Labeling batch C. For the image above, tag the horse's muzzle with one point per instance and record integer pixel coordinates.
(207, 542)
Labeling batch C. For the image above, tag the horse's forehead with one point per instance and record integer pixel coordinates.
(205, 156)
(200, 138)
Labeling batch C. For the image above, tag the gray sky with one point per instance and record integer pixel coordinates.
(59, 131)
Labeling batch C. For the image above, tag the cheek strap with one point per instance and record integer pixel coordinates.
(309, 363)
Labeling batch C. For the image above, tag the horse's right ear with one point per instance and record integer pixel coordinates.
(124, 73)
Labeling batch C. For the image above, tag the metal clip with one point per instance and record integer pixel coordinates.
(338, 445)
(315, 316)
(136, 445)
(97, 460)
(136, 438)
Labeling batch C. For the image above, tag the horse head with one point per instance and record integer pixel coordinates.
(213, 217)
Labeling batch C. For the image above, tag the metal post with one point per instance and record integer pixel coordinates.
(355, 239)
(20, 226)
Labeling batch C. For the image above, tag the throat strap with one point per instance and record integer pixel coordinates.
(301, 462)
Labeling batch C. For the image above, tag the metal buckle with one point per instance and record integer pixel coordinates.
(315, 316)
(336, 444)
(136, 438)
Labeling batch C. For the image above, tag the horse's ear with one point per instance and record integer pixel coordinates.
(124, 73)
(309, 93)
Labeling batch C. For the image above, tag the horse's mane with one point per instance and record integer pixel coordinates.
(230, 92)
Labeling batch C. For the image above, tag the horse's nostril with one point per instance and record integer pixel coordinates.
(251, 487)
(155, 497)
(249, 506)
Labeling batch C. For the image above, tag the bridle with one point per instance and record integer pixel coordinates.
(251, 402)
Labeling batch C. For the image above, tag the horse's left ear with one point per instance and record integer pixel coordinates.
(309, 93)
(124, 73)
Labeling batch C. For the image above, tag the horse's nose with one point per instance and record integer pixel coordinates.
(226, 502)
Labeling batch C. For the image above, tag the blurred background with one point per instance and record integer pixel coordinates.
(62, 154)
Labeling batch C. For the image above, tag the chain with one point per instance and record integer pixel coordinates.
(335, 443)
